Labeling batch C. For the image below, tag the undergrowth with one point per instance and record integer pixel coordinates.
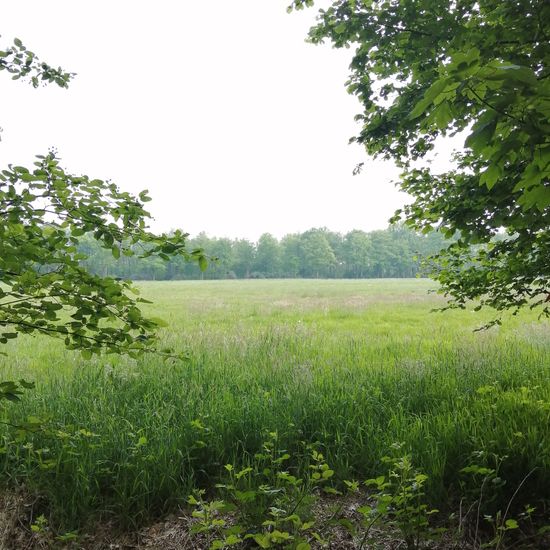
(345, 371)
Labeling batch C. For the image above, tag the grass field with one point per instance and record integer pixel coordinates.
(350, 367)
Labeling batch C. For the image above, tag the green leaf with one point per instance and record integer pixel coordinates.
(430, 95)
(443, 115)
(263, 541)
(481, 134)
(27, 385)
(490, 176)
(538, 196)
(515, 72)
(340, 28)
(511, 524)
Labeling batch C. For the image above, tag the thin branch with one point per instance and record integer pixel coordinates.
(487, 104)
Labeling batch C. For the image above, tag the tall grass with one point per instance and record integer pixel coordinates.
(352, 366)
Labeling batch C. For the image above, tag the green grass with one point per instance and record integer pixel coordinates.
(353, 366)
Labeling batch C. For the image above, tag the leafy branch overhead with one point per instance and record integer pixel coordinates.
(44, 214)
(430, 68)
(22, 63)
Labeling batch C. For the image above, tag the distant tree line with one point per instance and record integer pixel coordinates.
(316, 253)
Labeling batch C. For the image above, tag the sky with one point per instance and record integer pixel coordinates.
(234, 123)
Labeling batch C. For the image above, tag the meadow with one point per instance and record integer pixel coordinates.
(353, 369)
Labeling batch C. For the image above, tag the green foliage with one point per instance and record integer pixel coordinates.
(11, 391)
(45, 289)
(40, 525)
(482, 500)
(400, 502)
(428, 69)
(270, 507)
(44, 214)
(267, 256)
(316, 253)
(22, 63)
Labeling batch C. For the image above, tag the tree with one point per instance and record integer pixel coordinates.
(319, 258)
(336, 242)
(45, 214)
(382, 254)
(356, 253)
(405, 251)
(243, 258)
(424, 69)
(268, 256)
(222, 249)
(291, 254)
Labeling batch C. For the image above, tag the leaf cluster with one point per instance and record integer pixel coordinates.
(427, 69)
(21, 63)
(269, 506)
(44, 214)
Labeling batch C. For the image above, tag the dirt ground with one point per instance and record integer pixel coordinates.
(18, 511)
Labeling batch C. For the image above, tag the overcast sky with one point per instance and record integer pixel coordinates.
(233, 122)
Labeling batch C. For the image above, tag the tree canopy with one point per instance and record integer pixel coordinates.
(425, 69)
(45, 212)
(316, 253)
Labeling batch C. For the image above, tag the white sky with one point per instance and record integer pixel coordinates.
(235, 125)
